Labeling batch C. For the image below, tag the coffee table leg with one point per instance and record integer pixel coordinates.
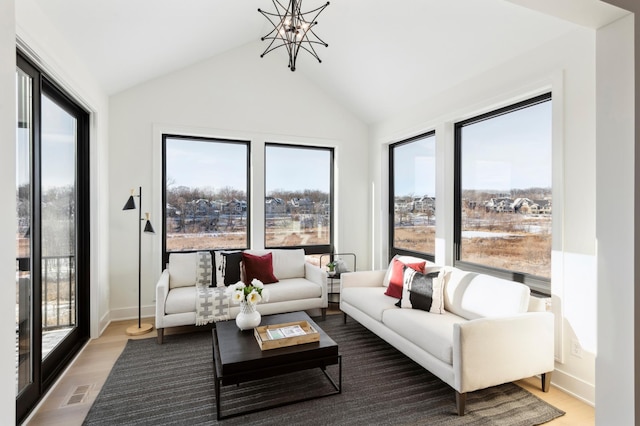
(338, 386)
(218, 402)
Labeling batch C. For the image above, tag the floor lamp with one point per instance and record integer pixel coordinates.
(131, 205)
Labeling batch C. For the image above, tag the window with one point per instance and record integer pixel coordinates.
(503, 192)
(299, 197)
(412, 196)
(205, 194)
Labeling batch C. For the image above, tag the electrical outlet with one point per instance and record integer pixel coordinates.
(576, 349)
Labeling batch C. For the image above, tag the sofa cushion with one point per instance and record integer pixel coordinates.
(433, 333)
(182, 269)
(422, 291)
(287, 263)
(180, 300)
(258, 267)
(473, 296)
(370, 300)
(228, 269)
(396, 277)
(293, 289)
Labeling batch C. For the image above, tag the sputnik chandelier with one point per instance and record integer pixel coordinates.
(293, 29)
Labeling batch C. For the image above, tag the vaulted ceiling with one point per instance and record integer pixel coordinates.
(382, 56)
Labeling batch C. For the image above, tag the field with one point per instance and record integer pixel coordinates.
(274, 238)
(514, 242)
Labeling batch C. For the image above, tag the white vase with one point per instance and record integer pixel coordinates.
(248, 317)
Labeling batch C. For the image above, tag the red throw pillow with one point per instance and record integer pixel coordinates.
(259, 267)
(397, 274)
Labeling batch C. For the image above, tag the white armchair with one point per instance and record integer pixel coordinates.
(300, 286)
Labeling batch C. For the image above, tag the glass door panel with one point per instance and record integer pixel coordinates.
(58, 227)
(24, 131)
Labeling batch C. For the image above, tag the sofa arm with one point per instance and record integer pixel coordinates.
(362, 278)
(162, 291)
(317, 275)
(492, 351)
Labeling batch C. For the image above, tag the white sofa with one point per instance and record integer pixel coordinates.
(301, 286)
(491, 332)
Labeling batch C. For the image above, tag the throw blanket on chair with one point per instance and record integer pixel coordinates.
(212, 303)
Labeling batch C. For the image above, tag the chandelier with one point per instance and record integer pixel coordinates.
(293, 29)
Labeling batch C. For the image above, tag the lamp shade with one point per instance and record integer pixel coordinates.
(131, 204)
(148, 228)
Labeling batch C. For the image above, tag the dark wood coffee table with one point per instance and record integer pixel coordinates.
(238, 358)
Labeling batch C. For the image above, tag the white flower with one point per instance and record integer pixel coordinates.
(254, 297)
(257, 283)
(265, 294)
(238, 286)
(237, 296)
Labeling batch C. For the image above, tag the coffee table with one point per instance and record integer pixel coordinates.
(238, 358)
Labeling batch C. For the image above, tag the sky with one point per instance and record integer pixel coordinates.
(503, 153)
(296, 169)
(201, 163)
(512, 151)
(414, 168)
(58, 146)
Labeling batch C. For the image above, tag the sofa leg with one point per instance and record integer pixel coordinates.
(324, 314)
(546, 381)
(461, 399)
(344, 318)
(160, 335)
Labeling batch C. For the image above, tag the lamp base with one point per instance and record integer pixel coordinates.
(134, 330)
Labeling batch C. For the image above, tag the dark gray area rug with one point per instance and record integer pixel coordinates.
(172, 384)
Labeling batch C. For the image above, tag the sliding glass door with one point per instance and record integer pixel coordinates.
(51, 235)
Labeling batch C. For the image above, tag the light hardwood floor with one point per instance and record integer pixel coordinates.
(93, 365)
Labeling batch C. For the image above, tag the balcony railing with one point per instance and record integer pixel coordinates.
(58, 291)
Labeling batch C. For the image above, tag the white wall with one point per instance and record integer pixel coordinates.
(567, 67)
(8, 211)
(616, 184)
(234, 95)
(51, 53)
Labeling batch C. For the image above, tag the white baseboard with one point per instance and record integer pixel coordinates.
(132, 313)
(574, 386)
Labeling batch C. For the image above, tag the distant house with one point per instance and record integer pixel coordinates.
(171, 211)
(274, 206)
(499, 205)
(235, 207)
(544, 206)
(424, 204)
(301, 205)
(202, 206)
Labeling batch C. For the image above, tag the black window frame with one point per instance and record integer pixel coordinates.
(46, 371)
(308, 249)
(391, 213)
(539, 285)
(165, 136)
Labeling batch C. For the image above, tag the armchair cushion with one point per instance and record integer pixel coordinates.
(181, 300)
(294, 289)
(182, 269)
